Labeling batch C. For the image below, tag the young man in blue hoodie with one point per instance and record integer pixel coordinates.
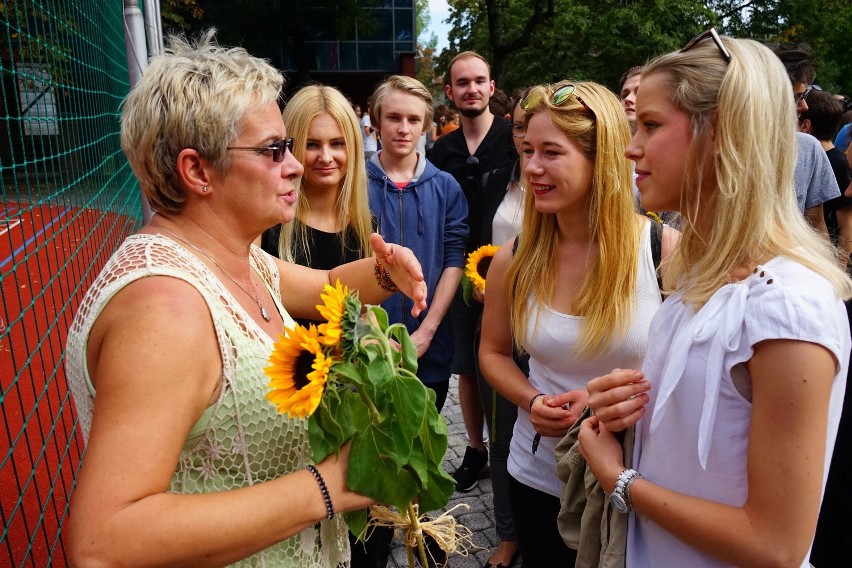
(423, 208)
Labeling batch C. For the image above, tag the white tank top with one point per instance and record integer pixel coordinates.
(553, 370)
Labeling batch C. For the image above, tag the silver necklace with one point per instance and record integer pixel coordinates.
(263, 313)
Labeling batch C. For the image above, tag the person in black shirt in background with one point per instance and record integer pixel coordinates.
(482, 144)
(821, 120)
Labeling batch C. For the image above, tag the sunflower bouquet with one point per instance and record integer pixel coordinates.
(475, 270)
(353, 378)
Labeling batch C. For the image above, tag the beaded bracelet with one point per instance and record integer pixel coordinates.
(383, 278)
(329, 507)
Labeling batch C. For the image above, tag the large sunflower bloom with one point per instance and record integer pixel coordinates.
(298, 370)
(477, 265)
(332, 308)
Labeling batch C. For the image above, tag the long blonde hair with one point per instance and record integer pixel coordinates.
(739, 178)
(352, 205)
(607, 295)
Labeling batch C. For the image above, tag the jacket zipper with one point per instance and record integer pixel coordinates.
(401, 243)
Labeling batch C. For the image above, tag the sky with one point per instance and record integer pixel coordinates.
(439, 11)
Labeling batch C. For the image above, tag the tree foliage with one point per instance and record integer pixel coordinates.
(537, 41)
(177, 14)
(427, 45)
(29, 42)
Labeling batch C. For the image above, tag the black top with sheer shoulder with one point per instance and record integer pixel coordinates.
(324, 251)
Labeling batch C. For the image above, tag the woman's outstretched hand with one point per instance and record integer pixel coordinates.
(404, 269)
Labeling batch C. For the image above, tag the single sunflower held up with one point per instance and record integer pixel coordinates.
(352, 383)
(476, 269)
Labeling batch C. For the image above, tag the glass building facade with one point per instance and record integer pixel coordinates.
(320, 35)
(377, 46)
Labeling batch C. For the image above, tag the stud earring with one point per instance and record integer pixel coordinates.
(205, 189)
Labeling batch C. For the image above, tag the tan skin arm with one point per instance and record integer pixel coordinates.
(814, 217)
(499, 368)
(844, 223)
(399, 261)
(792, 383)
(149, 394)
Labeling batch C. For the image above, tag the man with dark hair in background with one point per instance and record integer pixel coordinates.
(482, 144)
(813, 178)
(820, 120)
(500, 104)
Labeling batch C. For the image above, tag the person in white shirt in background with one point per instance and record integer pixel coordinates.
(371, 144)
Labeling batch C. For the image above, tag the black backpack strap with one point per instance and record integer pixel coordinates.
(522, 360)
(485, 177)
(657, 248)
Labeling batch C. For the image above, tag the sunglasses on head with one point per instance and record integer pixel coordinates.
(277, 149)
(558, 97)
(711, 33)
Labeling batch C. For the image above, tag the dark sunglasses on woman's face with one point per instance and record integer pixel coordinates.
(277, 149)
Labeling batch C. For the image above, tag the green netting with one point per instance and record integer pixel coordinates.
(68, 199)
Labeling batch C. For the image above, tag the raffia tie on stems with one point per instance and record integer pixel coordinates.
(450, 535)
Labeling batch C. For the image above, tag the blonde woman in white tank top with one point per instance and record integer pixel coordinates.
(577, 295)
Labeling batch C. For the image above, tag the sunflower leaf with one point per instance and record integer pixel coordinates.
(351, 373)
(326, 432)
(322, 442)
(357, 522)
(407, 348)
(372, 350)
(467, 288)
(380, 374)
(408, 398)
(438, 485)
(434, 436)
(373, 471)
(437, 491)
(380, 314)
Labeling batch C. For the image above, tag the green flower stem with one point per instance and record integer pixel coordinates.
(375, 415)
(410, 553)
(386, 349)
(383, 340)
(405, 372)
(415, 526)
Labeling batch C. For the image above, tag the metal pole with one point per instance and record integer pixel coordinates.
(137, 62)
(154, 27)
